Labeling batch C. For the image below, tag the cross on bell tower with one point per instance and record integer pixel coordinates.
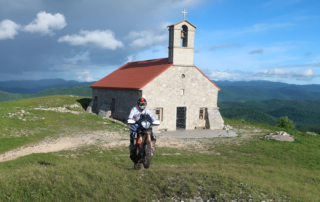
(184, 13)
(181, 42)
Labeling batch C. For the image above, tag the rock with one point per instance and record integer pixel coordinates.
(101, 152)
(227, 127)
(280, 136)
(22, 111)
(24, 120)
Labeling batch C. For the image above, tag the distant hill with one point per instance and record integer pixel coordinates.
(238, 91)
(305, 114)
(248, 114)
(274, 104)
(82, 90)
(243, 91)
(35, 86)
(299, 116)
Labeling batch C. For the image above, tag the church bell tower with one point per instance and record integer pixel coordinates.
(181, 43)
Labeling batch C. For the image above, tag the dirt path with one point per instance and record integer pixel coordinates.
(109, 140)
(65, 143)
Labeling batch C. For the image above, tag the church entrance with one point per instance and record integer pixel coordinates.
(181, 118)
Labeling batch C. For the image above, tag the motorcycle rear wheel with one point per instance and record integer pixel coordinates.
(148, 157)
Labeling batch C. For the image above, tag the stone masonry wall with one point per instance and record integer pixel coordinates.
(124, 101)
(164, 92)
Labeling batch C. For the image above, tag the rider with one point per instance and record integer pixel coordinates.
(136, 111)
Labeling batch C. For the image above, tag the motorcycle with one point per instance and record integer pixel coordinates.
(144, 143)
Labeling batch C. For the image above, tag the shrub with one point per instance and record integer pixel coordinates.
(311, 133)
(285, 122)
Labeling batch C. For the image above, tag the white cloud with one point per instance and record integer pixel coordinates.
(79, 57)
(238, 75)
(103, 39)
(45, 23)
(222, 46)
(8, 29)
(264, 27)
(217, 75)
(303, 73)
(146, 38)
(85, 76)
(312, 64)
(257, 51)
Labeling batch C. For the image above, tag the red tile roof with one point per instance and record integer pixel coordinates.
(136, 75)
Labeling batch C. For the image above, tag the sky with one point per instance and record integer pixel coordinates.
(85, 40)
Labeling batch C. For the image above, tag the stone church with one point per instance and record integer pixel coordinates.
(177, 92)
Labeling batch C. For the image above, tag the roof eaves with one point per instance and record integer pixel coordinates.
(183, 21)
(122, 88)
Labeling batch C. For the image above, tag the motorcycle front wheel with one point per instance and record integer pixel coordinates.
(137, 166)
(147, 149)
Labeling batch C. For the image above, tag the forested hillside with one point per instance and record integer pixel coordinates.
(242, 91)
(248, 114)
(35, 86)
(305, 114)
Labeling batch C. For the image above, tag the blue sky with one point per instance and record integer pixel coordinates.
(275, 40)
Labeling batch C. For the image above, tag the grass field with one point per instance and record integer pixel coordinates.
(247, 167)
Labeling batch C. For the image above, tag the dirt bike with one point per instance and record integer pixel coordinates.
(143, 148)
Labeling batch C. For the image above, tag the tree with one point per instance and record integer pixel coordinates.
(285, 122)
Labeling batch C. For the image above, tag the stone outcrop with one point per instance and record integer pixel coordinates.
(280, 136)
(227, 127)
(89, 108)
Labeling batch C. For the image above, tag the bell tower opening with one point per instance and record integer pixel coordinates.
(184, 36)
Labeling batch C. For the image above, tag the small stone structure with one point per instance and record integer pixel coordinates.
(178, 93)
(280, 136)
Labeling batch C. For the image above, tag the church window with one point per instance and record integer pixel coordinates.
(183, 76)
(202, 113)
(184, 36)
(159, 112)
(182, 92)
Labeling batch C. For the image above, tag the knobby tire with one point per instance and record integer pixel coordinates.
(147, 159)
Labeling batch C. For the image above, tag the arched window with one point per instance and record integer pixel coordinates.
(184, 36)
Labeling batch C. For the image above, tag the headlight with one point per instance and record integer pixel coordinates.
(145, 124)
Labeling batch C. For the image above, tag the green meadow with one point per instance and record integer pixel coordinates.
(248, 167)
